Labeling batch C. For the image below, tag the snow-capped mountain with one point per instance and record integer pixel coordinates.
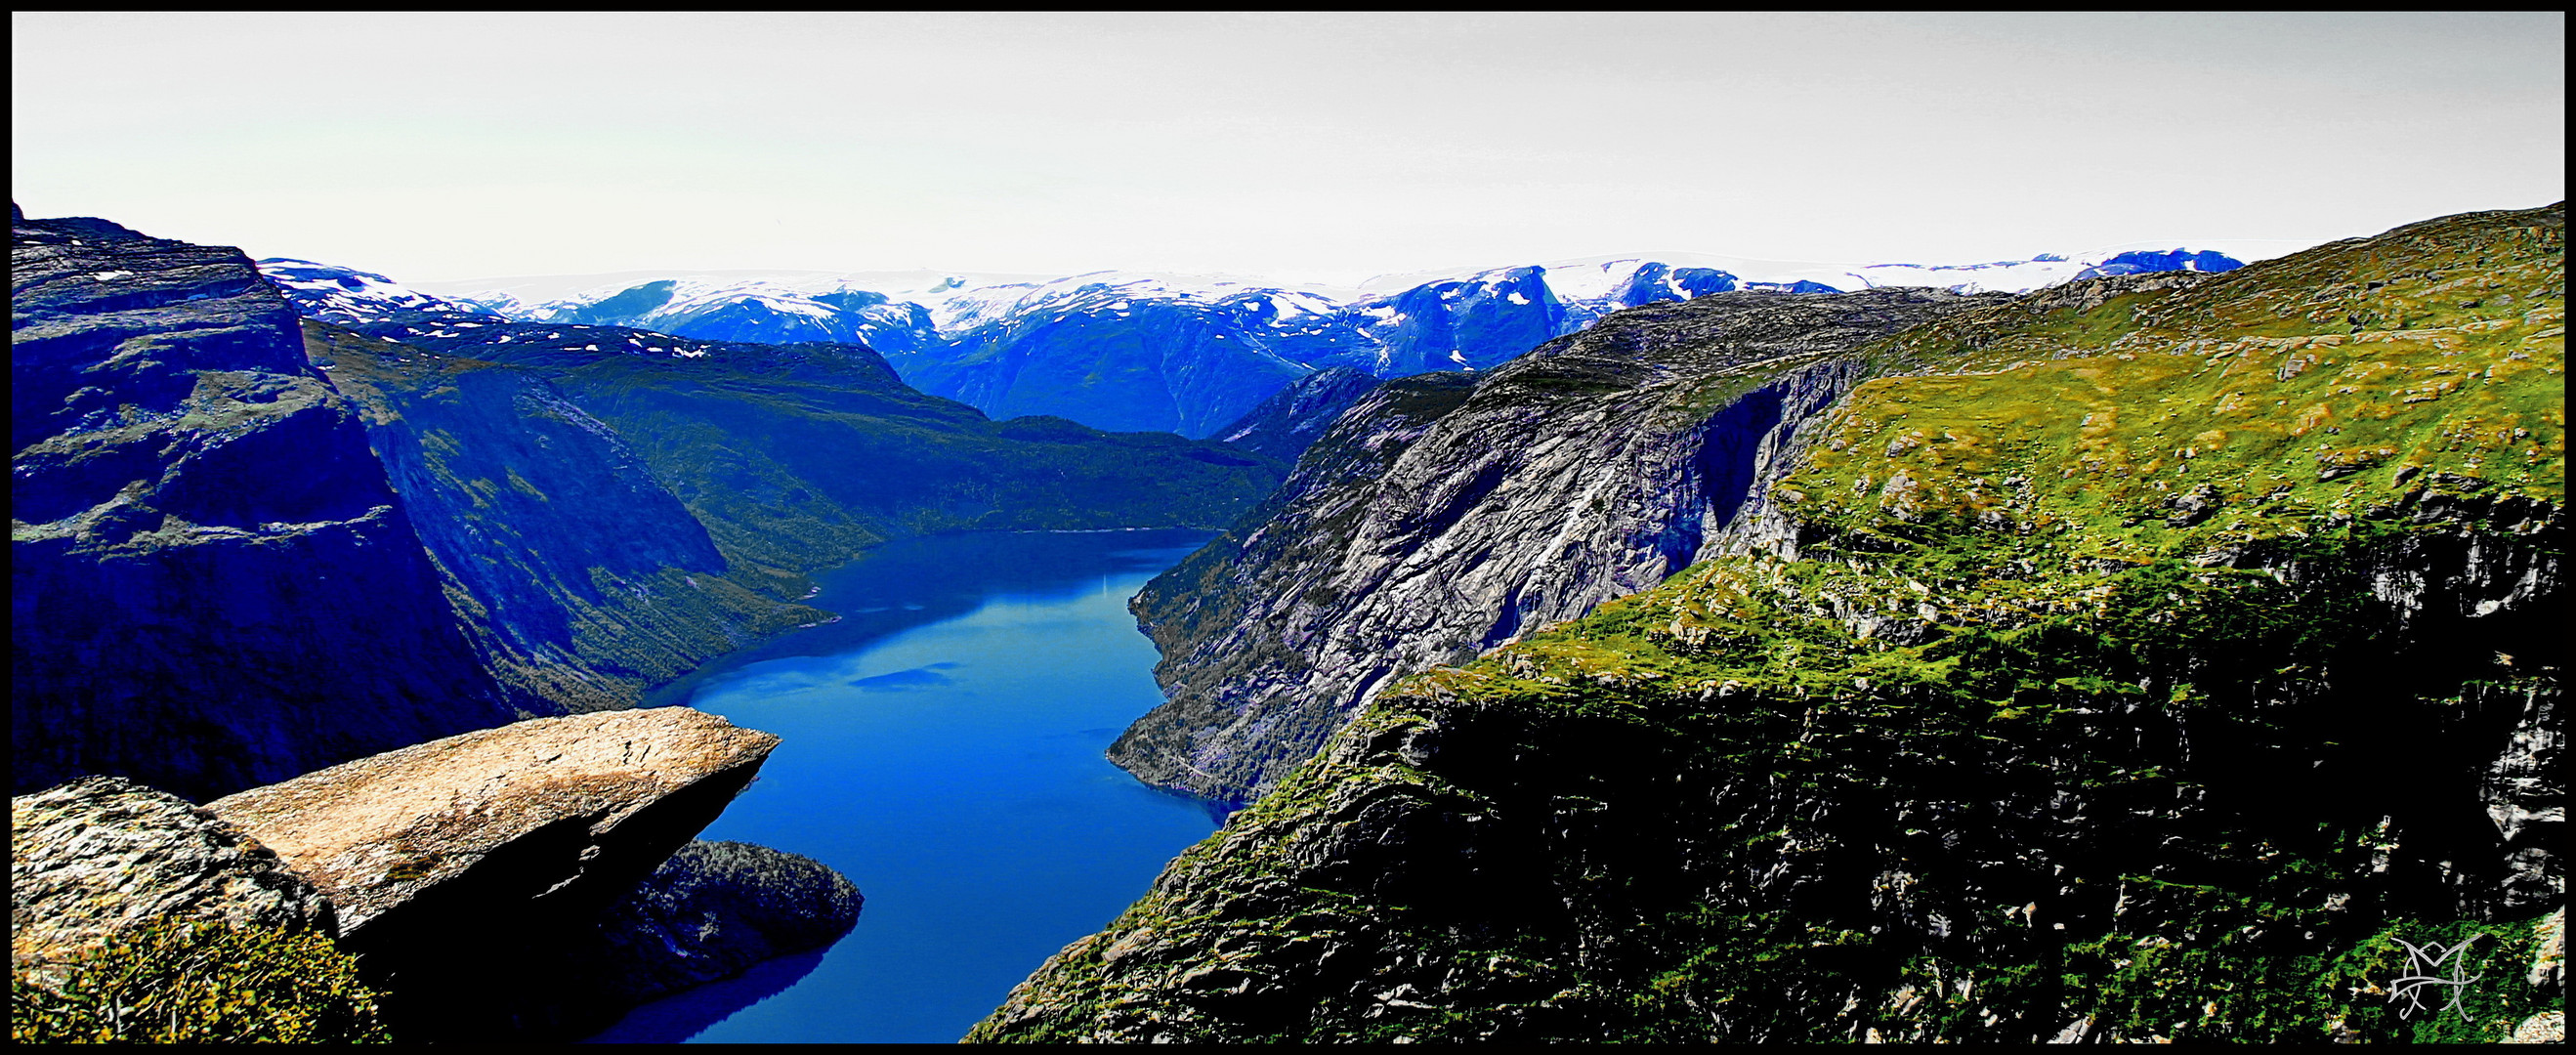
(344, 295)
(1181, 353)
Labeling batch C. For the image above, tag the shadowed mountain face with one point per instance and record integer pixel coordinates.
(602, 509)
(211, 584)
(2143, 659)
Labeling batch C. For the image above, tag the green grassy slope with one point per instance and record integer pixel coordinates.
(577, 575)
(799, 457)
(2150, 658)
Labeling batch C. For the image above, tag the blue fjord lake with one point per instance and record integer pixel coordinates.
(941, 746)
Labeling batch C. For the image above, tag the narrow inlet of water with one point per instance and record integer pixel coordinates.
(941, 746)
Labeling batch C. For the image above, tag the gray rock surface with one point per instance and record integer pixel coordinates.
(102, 854)
(2548, 972)
(2548, 1027)
(2525, 793)
(1431, 524)
(1288, 422)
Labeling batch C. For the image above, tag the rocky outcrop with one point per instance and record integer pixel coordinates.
(206, 561)
(1989, 747)
(2548, 973)
(555, 810)
(710, 911)
(2525, 793)
(518, 881)
(2547, 1027)
(1285, 424)
(518, 835)
(586, 581)
(1590, 468)
(101, 855)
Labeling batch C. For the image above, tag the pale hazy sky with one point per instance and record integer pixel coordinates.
(1298, 146)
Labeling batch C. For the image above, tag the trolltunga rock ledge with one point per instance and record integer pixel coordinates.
(555, 814)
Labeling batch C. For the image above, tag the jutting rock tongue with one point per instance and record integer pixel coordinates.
(212, 586)
(459, 866)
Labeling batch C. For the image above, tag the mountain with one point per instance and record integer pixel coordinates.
(797, 458)
(342, 295)
(1285, 424)
(613, 506)
(576, 573)
(1178, 353)
(2143, 659)
(220, 515)
(1434, 521)
(212, 584)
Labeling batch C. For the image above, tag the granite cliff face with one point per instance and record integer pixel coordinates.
(211, 584)
(1285, 424)
(1434, 521)
(2130, 662)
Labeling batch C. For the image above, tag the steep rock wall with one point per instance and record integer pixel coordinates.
(211, 584)
(1288, 422)
(1588, 469)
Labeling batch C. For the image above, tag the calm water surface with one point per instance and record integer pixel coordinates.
(942, 748)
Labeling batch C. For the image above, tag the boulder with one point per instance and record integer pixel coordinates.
(711, 911)
(2547, 1027)
(102, 854)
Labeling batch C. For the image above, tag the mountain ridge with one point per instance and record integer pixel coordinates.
(2056, 697)
(1183, 353)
